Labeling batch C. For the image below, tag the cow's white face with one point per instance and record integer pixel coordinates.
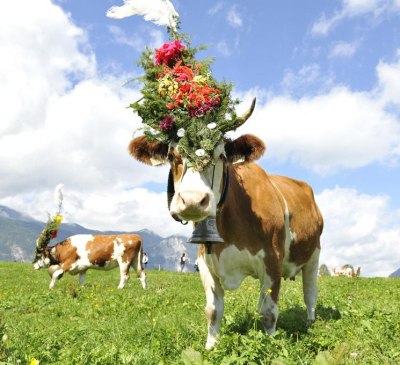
(197, 193)
(41, 262)
(194, 195)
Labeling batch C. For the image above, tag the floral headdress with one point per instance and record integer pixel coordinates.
(182, 102)
(51, 229)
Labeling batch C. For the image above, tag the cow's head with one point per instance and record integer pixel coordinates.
(42, 258)
(194, 195)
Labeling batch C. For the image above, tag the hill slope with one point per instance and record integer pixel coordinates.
(395, 274)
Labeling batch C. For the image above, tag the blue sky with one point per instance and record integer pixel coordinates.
(326, 75)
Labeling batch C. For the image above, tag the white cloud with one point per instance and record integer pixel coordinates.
(136, 41)
(306, 78)
(223, 48)
(104, 208)
(323, 25)
(343, 49)
(42, 48)
(337, 130)
(359, 229)
(216, 8)
(55, 130)
(389, 85)
(354, 8)
(234, 17)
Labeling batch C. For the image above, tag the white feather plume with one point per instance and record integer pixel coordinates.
(160, 12)
(59, 196)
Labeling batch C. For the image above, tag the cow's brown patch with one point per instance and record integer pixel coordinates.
(67, 254)
(100, 249)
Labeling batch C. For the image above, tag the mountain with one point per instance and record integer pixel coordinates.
(18, 234)
(395, 274)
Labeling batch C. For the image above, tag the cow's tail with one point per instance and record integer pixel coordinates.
(140, 267)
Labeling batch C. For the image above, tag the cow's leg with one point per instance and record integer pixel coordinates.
(310, 289)
(215, 302)
(268, 303)
(82, 277)
(56, 275)
(137, 262)
(142, 278)
(124, 271)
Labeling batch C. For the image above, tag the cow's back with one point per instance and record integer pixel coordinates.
(105, 248)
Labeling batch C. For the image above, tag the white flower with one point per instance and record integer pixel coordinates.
(181, 132)
(200, 152)
(211, 125)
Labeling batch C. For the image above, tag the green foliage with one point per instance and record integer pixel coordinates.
(357, 321)
(185, 91)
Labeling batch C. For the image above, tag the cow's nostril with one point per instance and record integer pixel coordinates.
(204, 202)
(181, 198)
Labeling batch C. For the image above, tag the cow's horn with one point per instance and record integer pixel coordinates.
(241, 120)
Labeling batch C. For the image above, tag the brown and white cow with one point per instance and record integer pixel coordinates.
(270, 224)
(81, 252)
(346, 270)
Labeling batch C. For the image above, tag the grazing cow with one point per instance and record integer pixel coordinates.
(81, 252)
(346, 270)
(270, 224)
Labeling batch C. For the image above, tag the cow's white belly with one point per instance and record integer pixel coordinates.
(233, 265)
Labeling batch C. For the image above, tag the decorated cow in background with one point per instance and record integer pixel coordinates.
(247, 222)
(79, 253)
(347, 270)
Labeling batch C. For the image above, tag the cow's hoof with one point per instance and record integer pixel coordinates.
(210, 344)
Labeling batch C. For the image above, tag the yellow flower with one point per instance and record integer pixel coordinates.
(200, 79)
(269, 291)
(34, 362)
(58, 218)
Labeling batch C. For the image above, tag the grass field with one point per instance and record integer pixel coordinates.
(358, 321)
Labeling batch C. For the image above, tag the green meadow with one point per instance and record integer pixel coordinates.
(358, 321)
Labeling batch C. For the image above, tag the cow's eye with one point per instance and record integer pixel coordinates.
(171, 157)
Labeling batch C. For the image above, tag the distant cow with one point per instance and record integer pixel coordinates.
(270, 224)
(79, 253)
(346, 270)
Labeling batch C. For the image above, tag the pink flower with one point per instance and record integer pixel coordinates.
(167, 123)
(169, 53)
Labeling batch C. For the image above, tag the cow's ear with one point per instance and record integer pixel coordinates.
(246, 148)
(149, 152)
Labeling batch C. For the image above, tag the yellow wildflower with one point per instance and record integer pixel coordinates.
(34, 361)
(58, 218)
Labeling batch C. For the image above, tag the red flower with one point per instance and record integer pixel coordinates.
(167, 123)
(169, 53)
(170, 106)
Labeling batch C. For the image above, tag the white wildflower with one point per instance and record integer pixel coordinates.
(211, 125)
(180, 132)
(200, 152)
